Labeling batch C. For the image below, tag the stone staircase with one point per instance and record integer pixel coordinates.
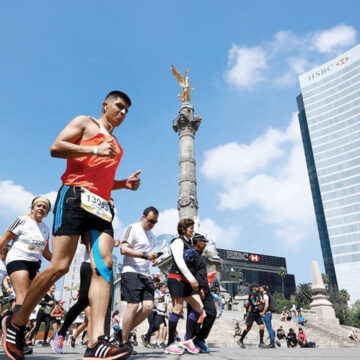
(223, 331)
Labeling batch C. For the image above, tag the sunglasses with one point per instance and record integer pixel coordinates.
(152, 221)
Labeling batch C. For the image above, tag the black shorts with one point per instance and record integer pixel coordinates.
(179, 288)
(32, 267)
(159, 319)
(71, 219)
(54, 321)
(136, 287)
(254, 318)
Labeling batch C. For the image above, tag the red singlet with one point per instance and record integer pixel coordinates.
(95, 173)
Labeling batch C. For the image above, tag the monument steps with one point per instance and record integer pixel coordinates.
(223, 331)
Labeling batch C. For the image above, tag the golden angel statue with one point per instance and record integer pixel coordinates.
(185, 95)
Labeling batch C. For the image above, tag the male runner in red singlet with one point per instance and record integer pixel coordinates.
(82, 208)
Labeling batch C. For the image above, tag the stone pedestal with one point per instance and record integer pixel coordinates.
(320, 303)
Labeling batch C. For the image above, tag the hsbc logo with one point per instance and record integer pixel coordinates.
(237, 255)
(254, 258)
(342, 61)
(326, 69)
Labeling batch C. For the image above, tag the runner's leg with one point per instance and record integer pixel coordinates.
(21, 282)
(101, 260)
(64, 248)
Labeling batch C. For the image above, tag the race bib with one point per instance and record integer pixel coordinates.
(96, 205)
(47, 309)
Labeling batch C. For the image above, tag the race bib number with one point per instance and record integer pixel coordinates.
(96, 205)
(47, 309)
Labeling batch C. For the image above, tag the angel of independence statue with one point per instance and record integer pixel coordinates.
(184, 82)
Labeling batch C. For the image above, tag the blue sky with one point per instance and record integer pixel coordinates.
(59, 60)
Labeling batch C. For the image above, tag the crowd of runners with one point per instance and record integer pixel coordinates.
(83, 213)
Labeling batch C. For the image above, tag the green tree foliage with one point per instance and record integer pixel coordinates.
(282, 272)
(355, 314)
(339, 300)
(282, 302)
(303, 295)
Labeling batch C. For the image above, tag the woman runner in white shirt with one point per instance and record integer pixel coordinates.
(30, 242)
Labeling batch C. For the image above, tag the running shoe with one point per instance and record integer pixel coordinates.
(27, 350)
(102, 349)
(58, 343)
(45, 344)
(241, 344)
(202, 346)
(72, 341)
(162, 345)
(14, 340)
(190, 347)
(143, 339)
(262, 345)
(278, 343)
(174, 349)
(149, 346)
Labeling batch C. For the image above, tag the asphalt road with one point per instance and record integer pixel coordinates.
(217, 353)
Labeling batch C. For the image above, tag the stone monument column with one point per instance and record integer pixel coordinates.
(186, 126)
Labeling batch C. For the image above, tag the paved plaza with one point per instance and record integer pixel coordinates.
(217, 353)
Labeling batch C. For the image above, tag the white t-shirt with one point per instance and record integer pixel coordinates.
(160, 304)
(3, 272)
(30, 240)
(139, 240)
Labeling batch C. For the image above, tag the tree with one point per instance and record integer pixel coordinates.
(303, 295)
(339, 300)
(325, 278)
(282, 272)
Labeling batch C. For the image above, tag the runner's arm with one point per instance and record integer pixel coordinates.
(7, 285)
(64, 145)
(46, 253)
(4, 240)
(177, 250)
(131, 183)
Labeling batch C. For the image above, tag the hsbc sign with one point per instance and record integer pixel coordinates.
(237, 255)
(326, 69)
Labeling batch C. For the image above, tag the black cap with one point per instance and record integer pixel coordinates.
(198, 237)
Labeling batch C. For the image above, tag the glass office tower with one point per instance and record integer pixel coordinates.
(329, 115)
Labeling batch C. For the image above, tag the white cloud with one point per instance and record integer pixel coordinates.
(167, 223)
(280, 60)
(245, 66)
(14, 199)
(278, 185)
(219, 162)
(335, 39)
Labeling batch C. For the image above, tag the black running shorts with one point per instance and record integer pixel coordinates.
(136, 287)
(71, 219)
(32, 267)
(159, 319)
(179, 288)
(254, 318)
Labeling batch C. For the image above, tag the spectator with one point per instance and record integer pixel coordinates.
(352, 335)
(288, 315)
(237, 330)
(291, 338)
(283, 315)
(293, 310)
(301, 338)
(302, 320)
(280, 333)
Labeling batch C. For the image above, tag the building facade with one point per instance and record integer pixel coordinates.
(329, 116)
(255, 268)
